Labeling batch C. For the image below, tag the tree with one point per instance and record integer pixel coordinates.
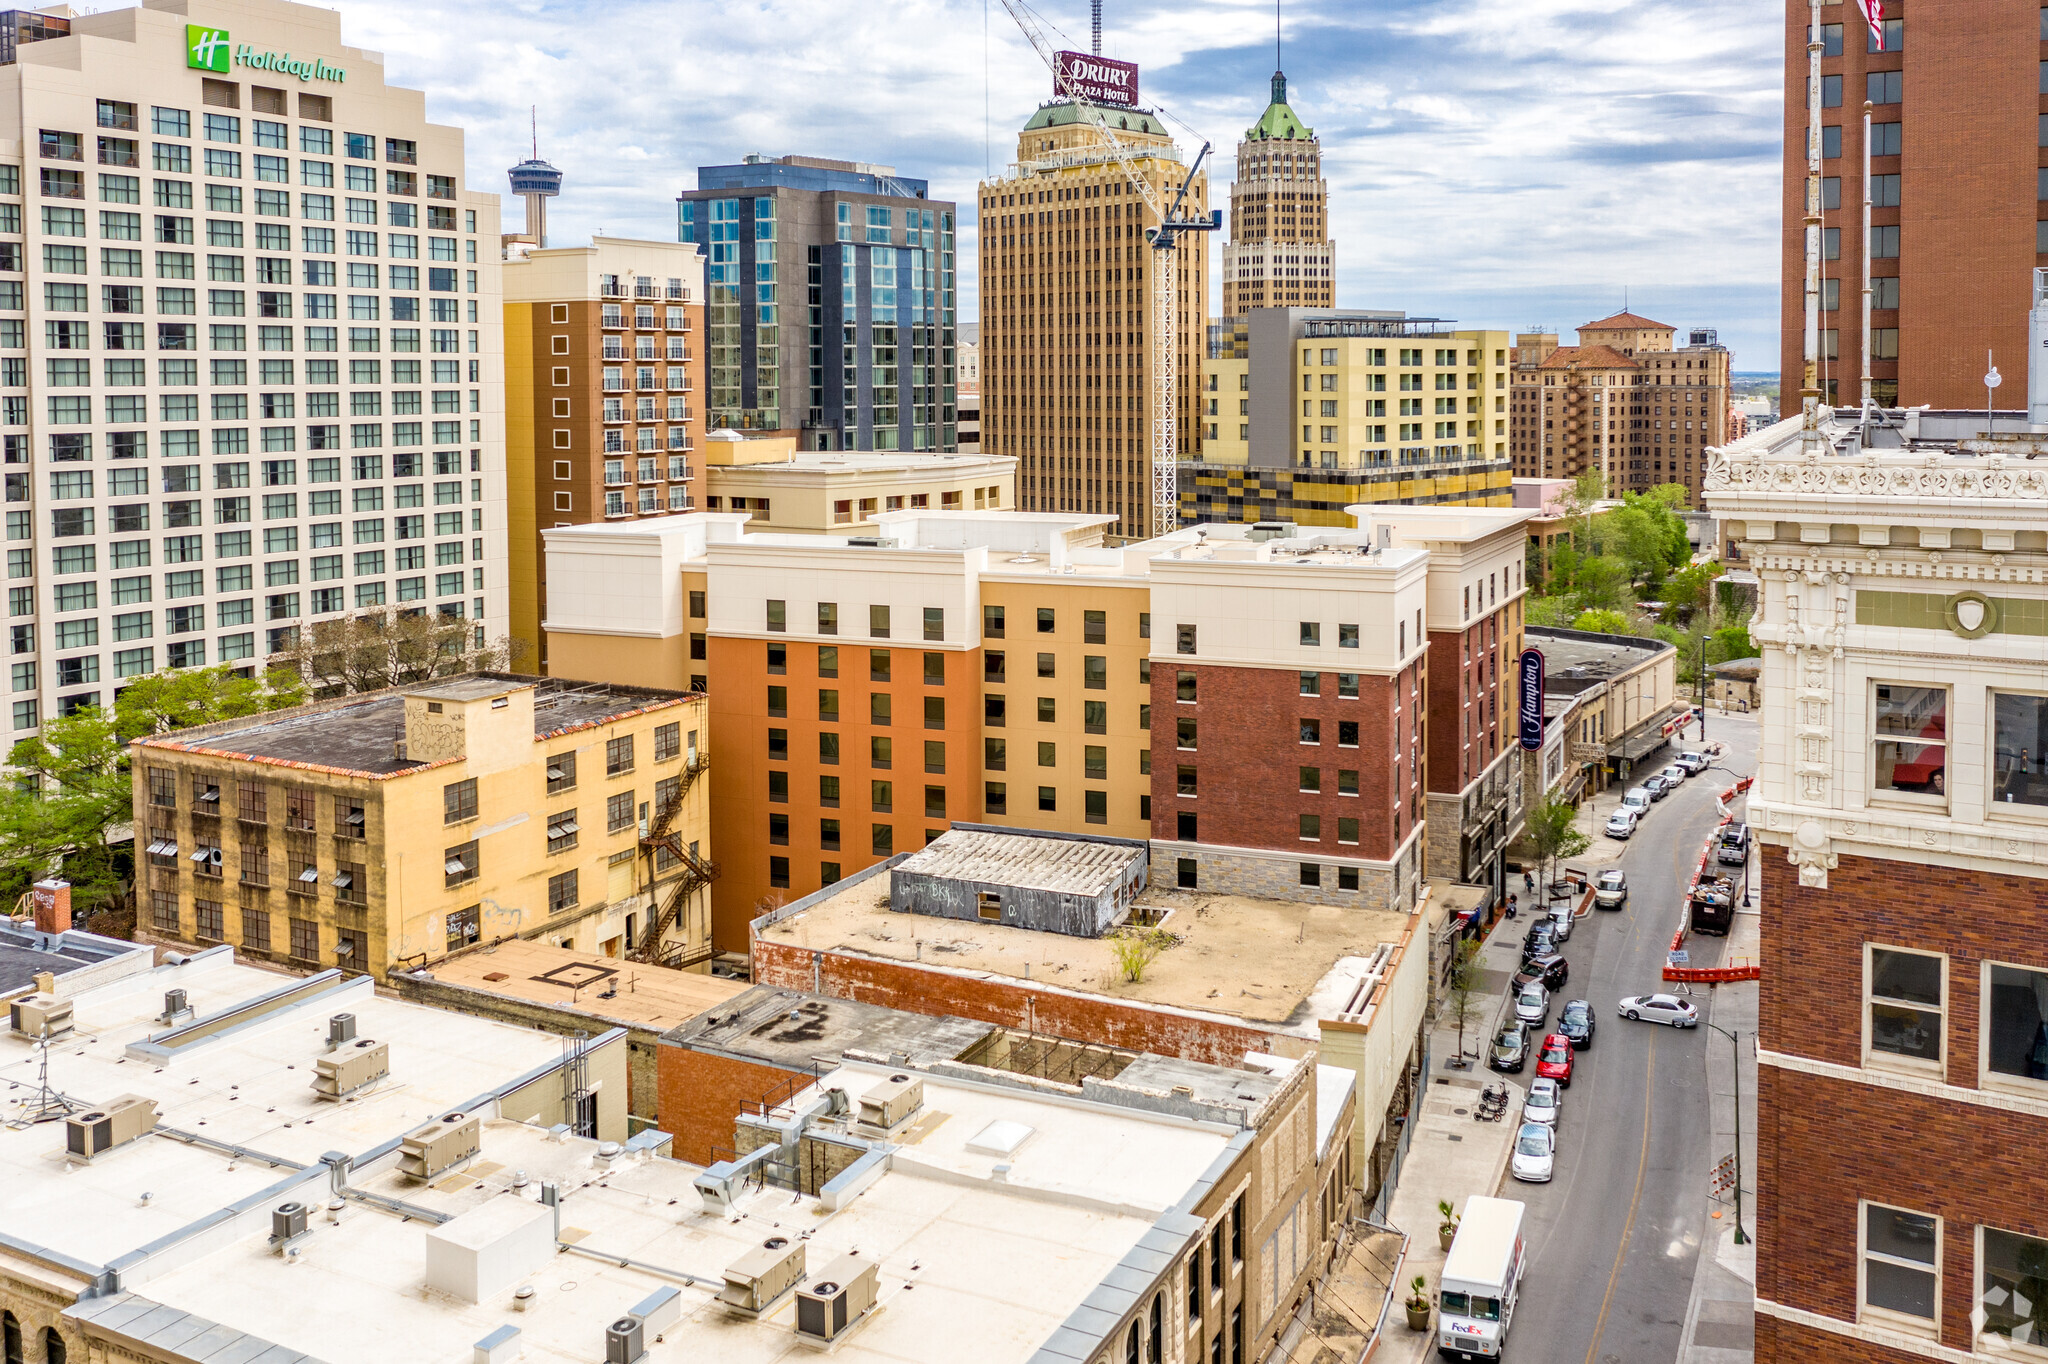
(1691, 590)
(1553, 831)
(75, 788)
(1134, 948)
(392, 649)
(1463, 984)
(1601, 622)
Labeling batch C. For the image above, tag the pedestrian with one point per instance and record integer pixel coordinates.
(1528, 881)
(1511, 906)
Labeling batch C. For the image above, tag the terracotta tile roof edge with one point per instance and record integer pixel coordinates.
(614, 719)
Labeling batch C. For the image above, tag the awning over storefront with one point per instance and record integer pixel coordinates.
(1651, 735)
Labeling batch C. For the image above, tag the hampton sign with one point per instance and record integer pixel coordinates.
(1529, 700)
(1098, 79)
(208, 49)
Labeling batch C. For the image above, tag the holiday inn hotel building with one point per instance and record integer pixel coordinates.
(250, 348)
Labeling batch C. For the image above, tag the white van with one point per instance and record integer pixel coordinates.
(1636, 798)
(1482, 1274)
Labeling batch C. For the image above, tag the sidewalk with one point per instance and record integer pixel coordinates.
(1720, 1322)
(1451, 1154)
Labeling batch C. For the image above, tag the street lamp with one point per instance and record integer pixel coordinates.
(1741, 1236)
(1703, 688)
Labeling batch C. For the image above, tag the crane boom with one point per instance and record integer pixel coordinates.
(1164, 239)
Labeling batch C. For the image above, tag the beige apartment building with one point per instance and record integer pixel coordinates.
(394, 827)
(1279, 254)
(603, 373)
(250, 348)
(1625, 402)
(1067, 334)
(799, 491)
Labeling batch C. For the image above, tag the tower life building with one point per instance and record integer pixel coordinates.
(1279, 254)
(192, 485)
(829, 302)
(1068, 343)
(1954, 239)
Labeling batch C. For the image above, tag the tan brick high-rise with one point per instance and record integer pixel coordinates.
(1066, 327)
(1957, 101)
(1624, 401)
(1279, 254)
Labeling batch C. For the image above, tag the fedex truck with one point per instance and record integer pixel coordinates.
(1481, 1277)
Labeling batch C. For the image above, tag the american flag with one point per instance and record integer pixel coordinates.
(1873, 14)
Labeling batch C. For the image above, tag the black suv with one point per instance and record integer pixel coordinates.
(1540, 942)
(1576, 1023)
(1510, 1050)
(1550, 968)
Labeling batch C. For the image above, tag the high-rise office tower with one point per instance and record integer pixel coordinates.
(1954, 236)
(828, 302)
(1067, 336)
(1279, 254)
(250, 349)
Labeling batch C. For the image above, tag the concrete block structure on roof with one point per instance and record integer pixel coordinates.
(1066, 885)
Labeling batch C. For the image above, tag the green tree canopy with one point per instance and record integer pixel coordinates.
(1601, 622)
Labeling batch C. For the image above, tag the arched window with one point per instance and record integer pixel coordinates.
(1131, 1345)
(10, 1338)
(1158, 1354)
(53, 1346)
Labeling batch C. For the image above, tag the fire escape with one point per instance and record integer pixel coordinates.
(697, 873)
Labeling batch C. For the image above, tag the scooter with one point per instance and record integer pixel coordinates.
(1493, 1103)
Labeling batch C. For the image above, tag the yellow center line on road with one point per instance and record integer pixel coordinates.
(1636, 1198)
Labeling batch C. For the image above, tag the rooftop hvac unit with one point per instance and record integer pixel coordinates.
(341, 1028)
(38, 1015)
(88, 1135)
(438, 1147)
(835, 1301)
(625, 1340)
(756, 1281)
(174, 1004)
(890, 1102)
(360, 1063)
(287, 1223)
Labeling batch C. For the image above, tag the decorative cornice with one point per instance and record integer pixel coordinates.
(1916, 476)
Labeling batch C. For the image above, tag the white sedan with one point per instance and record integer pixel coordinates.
(1535, 1154)
(1622, 823)
(1542, 1103)
(1661, 1009)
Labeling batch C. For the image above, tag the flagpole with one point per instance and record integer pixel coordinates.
(1867, 388)
(1809, 392)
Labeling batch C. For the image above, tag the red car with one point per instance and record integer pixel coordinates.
(1554, 1062)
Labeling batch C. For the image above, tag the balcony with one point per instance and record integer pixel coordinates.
(611, 319)
(678, 381)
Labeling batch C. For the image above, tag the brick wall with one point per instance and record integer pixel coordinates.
(700, 1097)
(1010, 1003)
(1249, 757)
(1464, 702)
(1782, 1340)
(1812, 993)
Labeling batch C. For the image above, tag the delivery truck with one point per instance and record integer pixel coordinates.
(1482, 1274)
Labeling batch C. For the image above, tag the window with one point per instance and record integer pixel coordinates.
(562, 892)
(1901, 1262)
(1880, 87)
(2011, 1269)
(2016, 1022)
(1311, 634)
(561, 773)
(992, 621)
(1906, 1002)
(458, 801)
(668, 741)
(460, 864)
(1884, 139)
(1184, 639)
(2019, 750)
(1884, 191)
(878, 622)
(618, 755)
(934, 622)
(1311, 828)
(562, 831)
(1910, 749)
(1311, 731)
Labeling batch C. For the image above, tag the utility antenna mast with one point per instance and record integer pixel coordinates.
(1164, 238)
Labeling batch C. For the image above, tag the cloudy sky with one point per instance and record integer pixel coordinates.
(1507, 163)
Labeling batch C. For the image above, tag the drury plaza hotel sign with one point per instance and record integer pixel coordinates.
(208, 49)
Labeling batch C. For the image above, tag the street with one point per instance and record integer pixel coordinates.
(1614, 1238)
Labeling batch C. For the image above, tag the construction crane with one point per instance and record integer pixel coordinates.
(1164, 239)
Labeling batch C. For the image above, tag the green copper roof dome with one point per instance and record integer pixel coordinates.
(1279, 120)
(1061, 113)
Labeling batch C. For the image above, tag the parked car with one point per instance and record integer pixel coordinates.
(1660, 1009)
(1575, 1024)
(1542, 1104)
(1554, 1061)
(1535, 1153)
(1636, 798)
(1510, 1050)
(1540, 939)
(1656, 786)
(1561, 921)
(1731, 849)
(1532, 1004)
(1674, 775)
(1550, 970)
(1622, 823)
(1611, 890)
(1693, 763)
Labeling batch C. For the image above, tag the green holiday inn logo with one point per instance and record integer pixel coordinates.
(209, 49)
(206, 49)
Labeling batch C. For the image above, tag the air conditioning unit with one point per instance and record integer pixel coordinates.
(174, 1004)
(757, 1281)
(890, 1102)
(341, 1029)
(439, 1147)
(287, 1223)
(87, 1135)
(625, 1340)
(38, 1015)
(360, 1063)
(833, 1303)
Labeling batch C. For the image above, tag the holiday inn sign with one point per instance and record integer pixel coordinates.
(208, 49)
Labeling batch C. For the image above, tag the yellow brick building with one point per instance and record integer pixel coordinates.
(1308, 411)
(397, 826)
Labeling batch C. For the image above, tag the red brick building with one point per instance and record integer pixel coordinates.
(1902, 803)
(1958, 197)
